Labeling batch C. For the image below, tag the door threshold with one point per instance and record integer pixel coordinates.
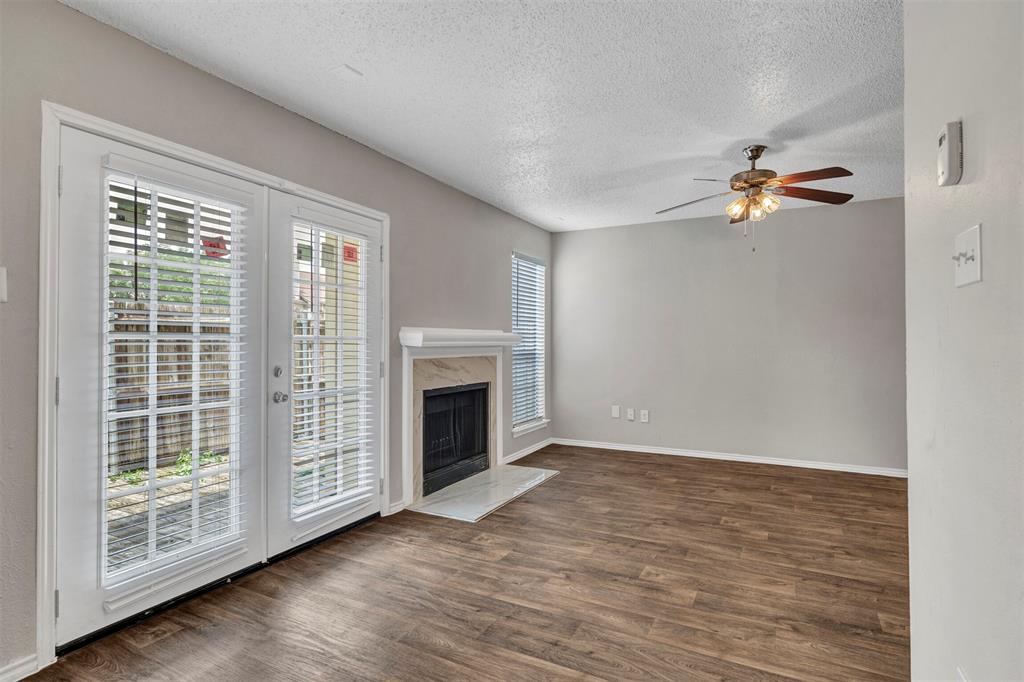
(85, 640)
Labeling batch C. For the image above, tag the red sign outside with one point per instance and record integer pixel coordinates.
(215, 248)
(351, 253)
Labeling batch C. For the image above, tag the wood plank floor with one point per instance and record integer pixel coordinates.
(625, 566)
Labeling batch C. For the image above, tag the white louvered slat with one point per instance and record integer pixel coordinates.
(175, 292)
(528, 316)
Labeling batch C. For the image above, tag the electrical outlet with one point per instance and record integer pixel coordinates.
(630, 413)
(645, 416)
(615, 412)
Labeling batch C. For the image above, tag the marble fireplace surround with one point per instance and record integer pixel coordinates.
(435, 357)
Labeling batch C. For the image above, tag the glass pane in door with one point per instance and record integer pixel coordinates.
(331, 406)
(172, 333)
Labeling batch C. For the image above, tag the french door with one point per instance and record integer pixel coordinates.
(159, 452)
(324, 421)
(218, 395)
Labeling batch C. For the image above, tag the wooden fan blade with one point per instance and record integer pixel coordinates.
(712, 196)
(809, 176)
(811, 194)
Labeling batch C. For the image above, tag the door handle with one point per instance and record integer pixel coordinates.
(280, 397)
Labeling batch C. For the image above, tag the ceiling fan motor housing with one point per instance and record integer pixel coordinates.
(755, 177)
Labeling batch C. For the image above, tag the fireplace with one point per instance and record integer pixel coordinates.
(455, 439)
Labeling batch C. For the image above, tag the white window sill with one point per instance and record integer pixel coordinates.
(530, 427)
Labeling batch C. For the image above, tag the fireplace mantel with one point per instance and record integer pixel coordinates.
(426, 343)
(435, 337)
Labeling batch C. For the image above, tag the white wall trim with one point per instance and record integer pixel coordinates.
(19, 668)
(385, 356)
(54, 116)
(114, 131)
(441, 337)
(530, 449)
(755, 459)
(530, 427)
(46, 410)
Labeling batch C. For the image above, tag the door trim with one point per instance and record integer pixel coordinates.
(53, 117)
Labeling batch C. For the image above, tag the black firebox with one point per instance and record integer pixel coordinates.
(454, 434)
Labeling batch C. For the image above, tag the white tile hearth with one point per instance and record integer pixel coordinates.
(475, 497)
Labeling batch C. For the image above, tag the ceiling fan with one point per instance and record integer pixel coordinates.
(762, 188)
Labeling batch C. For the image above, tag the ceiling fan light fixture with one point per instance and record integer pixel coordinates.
(761, 188)
(736, 208)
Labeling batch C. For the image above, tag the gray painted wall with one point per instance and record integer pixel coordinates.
(51, 52)
(795, 351)
(965, 347)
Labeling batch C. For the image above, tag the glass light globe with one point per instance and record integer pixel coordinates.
(736, 208)
(769, 203)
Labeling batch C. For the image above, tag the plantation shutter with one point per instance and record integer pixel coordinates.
(528, 355)
(333, 369)
(172, 419)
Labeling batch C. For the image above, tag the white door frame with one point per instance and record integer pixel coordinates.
(53, 117)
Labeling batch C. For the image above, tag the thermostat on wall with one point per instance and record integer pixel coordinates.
(951, 153)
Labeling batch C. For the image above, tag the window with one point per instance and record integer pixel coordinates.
(528, 355)
(332, 445)
(173, 334)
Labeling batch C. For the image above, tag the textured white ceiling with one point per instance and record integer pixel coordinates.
(575, 114)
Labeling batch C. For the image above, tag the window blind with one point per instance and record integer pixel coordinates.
(333, 367)
(528, 281)
(174, 292)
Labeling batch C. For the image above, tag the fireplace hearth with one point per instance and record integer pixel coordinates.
(455, 438)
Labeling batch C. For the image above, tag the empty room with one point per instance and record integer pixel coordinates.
(511, 340)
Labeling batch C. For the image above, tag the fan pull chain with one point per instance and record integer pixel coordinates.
(753, 245)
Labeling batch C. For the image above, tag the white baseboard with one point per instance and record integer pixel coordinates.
(527, 450)
(680, 452)
(19, 668)
(806, 464)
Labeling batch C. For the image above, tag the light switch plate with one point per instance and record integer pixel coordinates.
(615, 411)
(630, 413)
(967, 256)
(3, 285)
(645, 416)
